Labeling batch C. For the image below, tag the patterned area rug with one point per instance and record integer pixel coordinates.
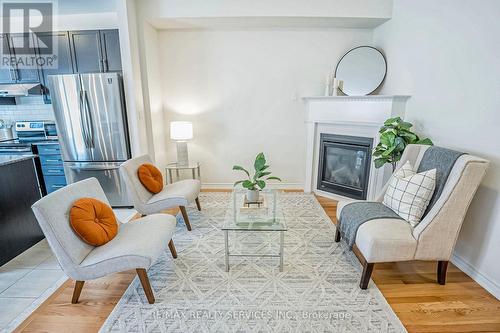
(316, 292)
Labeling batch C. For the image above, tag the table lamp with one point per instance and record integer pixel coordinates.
(181, 131)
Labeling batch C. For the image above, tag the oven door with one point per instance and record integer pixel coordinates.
(108, 175)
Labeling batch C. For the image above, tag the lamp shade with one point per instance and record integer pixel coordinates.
(181, 130)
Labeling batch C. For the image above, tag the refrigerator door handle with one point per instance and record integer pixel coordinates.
(89, 117)
(83, 120)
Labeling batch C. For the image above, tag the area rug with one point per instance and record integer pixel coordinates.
(316, 292)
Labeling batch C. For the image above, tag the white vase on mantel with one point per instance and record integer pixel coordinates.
(253, 195)
(336, 87)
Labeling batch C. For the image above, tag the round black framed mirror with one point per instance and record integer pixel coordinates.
(362, 70)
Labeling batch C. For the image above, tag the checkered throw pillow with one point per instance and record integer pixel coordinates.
(409, 192)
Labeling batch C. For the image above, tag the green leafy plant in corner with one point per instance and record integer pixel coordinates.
(256, 181)
(395, 135)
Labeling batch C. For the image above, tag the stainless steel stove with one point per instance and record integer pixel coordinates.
(29, 133)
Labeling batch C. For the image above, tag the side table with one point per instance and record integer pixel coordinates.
(193, 166)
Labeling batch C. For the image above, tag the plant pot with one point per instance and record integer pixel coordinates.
(253, 195)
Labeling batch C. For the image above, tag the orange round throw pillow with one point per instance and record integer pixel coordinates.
(93, 220)
(150, 177)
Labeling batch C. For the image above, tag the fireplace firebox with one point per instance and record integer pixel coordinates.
(344, 165)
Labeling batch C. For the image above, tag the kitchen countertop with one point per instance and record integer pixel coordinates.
(9, 159)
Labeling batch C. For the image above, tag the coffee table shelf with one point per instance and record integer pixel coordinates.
(264, 219)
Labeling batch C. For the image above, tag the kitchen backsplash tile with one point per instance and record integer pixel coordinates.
(27, 108)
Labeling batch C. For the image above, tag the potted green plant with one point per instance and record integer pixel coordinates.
(256, 182)
(395, 135)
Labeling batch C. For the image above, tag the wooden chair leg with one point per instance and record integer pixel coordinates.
(143, 277)
(185, 217)
(441, 272)
(171, 246)
(337, 234)
(77, 291)
(197, 200)
(367, 273)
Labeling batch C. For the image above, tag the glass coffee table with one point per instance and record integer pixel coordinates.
(265, 216)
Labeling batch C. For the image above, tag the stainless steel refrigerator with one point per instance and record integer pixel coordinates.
(92, 129)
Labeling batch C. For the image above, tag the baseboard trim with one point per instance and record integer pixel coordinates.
(491, 286)
(229, 186)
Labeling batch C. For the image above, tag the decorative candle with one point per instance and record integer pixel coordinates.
(328, 85)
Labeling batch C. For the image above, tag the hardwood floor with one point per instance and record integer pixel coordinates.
(410, 288)
(422, 304)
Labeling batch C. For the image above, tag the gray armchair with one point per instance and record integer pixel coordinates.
(136, 246)
(179, 194)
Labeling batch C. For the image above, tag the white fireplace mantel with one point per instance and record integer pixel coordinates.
(348, 115)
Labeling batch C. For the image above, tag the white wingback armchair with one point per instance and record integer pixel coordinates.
(179, 194)
(136, 246)
(434, 238)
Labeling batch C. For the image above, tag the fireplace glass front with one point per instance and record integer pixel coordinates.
(344, 165)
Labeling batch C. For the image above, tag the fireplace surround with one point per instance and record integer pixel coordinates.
(351, 116)
(344, 165)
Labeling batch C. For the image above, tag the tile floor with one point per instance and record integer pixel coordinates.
(24, 279)
(28, 279)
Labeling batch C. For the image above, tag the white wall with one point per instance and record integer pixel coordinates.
(140, 62)
(445, 54)
(86, 21)
(131, 64)
(152, 84)
(65, 7)
(243, 89)
(137, 23)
